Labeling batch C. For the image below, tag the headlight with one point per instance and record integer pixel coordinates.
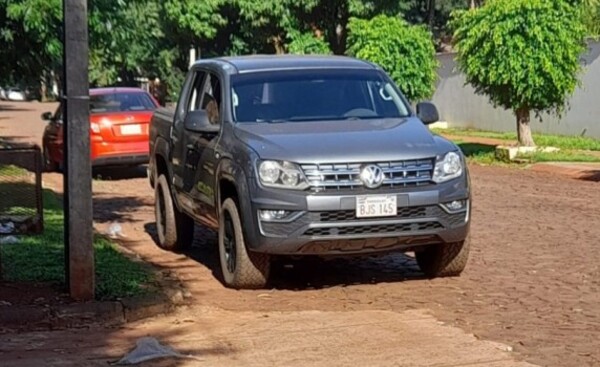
(448, 168)
(281, 174)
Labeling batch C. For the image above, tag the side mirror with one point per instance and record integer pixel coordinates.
(47, 116)
(427, 112)
(197, 121)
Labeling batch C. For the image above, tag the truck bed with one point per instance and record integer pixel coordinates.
(160, 128)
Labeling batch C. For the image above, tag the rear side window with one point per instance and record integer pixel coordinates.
(121, 102)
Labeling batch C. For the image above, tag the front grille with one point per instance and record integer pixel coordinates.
(346, 215)
(374, 229)
(347, 175)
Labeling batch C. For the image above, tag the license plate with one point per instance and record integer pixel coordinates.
(376, 206)
(131, 129)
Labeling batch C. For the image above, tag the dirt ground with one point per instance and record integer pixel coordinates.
(533, 280)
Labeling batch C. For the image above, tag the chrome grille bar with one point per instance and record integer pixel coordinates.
(347, 175)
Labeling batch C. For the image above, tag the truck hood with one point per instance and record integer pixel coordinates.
(340, 141)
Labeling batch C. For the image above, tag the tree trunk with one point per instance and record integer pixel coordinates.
(43, 90)
(431, 16)
(278, 45)
(523, 127)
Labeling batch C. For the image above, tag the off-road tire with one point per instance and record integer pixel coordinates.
(250, 269)
(175, 229)
(443, 260)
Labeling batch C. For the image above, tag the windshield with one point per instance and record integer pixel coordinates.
(120, 102)
(309, 95)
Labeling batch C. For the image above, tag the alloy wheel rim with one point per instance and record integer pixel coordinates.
(229, 244)
(161, 214)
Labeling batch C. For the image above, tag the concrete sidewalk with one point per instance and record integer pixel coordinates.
(311, 338)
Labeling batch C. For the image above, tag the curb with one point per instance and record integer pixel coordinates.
(109, 313)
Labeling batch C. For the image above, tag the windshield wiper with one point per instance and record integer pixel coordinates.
(272, 121)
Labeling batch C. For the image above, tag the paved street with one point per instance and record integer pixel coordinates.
(531, 286)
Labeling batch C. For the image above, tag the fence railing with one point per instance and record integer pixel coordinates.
(21, 202)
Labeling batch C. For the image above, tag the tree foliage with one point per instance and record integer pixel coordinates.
(30, 48)
(405, 52)
(522, 54)
(308, 43)
(146, 38)
(591, 17)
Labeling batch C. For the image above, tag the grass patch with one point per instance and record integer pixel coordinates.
(41, 259)
(11, 170)
(546, 140)
(485, 154)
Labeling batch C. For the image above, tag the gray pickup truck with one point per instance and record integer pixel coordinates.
(308, 155)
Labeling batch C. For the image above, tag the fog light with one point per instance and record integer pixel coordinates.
(456, 205)
(268, 215)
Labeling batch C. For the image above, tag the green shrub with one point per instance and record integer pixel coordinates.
(306, 44)
(405, 52)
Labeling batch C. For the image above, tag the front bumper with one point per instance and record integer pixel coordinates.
(326, 224)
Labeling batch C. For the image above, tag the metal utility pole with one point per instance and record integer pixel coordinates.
(79, 251)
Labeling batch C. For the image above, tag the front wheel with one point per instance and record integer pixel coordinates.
(443, 260)
(175, 229)
(241, 269)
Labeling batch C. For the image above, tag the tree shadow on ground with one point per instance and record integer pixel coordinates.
(14, 107)
(309, 272)
(16, 141)
(476, 149)
(117, 209)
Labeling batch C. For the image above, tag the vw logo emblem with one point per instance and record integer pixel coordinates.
(372, 176)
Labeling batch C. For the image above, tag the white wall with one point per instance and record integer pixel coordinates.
(461, 107)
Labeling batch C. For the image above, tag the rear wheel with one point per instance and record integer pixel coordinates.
(241, 269)
(175, 229)
(444, 260)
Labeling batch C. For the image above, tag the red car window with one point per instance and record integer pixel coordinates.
(121, 102)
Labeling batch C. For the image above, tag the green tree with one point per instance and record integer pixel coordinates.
(124, 39)
(272, 25)
(405, 52)
(30, 44)
(522, 54)
(307, 43)
(591, 17)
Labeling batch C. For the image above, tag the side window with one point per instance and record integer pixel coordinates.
(196, 92)
(211, 98)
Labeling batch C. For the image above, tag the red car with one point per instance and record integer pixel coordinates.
(119, 120)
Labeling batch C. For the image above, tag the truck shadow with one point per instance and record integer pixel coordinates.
(591, 175)
(309, 272)
(119, 173)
